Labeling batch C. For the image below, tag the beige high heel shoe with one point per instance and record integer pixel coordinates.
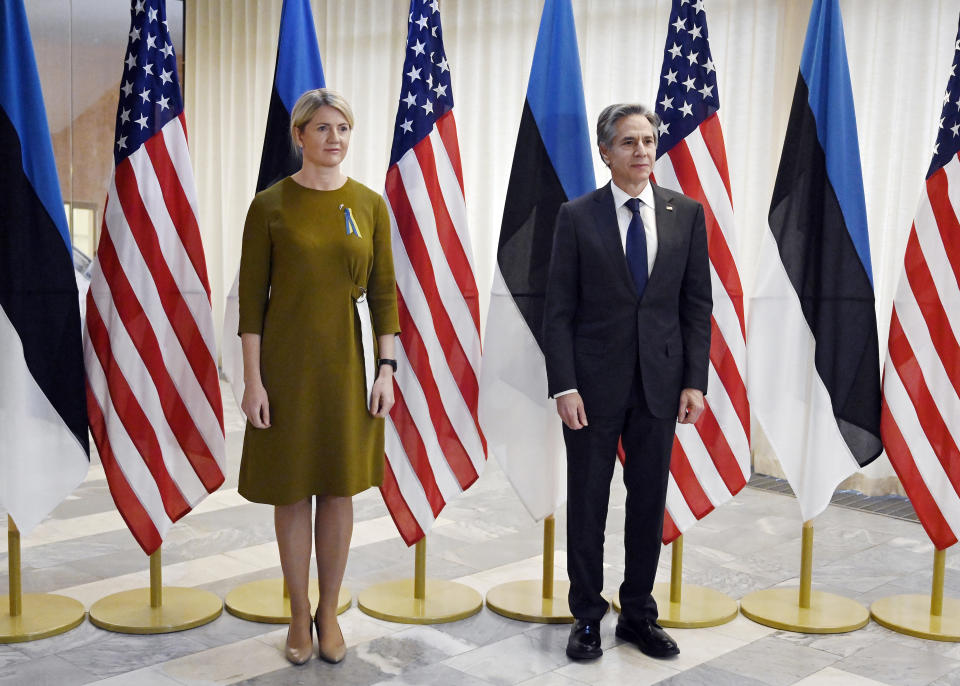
(298, 656)
(334, 656)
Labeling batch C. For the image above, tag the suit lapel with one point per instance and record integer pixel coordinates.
(663, 201)
(609, 232)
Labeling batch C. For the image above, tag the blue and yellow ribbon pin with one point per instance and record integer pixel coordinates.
(351, 223)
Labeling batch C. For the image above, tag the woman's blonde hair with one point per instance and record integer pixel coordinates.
(311, 101)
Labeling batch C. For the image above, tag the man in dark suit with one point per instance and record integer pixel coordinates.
(627, 343)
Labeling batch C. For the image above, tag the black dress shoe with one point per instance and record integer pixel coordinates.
(648, 636)
(584, 641)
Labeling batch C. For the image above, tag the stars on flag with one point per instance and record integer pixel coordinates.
(948, 133)
(150, 94)
(427, 79)
(688, 85)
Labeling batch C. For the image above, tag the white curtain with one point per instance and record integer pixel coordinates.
(899, 53)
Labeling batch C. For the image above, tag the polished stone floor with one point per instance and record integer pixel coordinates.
(483, 539)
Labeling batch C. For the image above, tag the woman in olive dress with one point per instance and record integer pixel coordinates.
(315, 267)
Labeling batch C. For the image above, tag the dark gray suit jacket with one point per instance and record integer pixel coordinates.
(595, 328)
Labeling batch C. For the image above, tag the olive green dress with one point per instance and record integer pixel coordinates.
(300, 271)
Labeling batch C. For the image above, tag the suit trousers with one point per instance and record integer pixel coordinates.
(591, 453)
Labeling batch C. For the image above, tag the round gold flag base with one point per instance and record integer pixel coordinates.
(129, 612)
(827, 614)
(443, 601)
(524, 600)
(43, 615)
(910, 614)
(699, 607)
(264, 601)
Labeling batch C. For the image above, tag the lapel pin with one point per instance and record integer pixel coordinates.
(669, 208)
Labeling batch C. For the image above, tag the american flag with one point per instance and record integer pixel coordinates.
(153, 394)
(920, 421)
(434, 446)
(711, 460)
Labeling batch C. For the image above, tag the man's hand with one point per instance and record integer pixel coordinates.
(570, 409)
(691, 406)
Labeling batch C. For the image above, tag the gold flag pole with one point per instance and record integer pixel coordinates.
(14, 568)
(157, 609)
(420, 570)
(420, 600)
(32, 616)
(531, 600)
(685, 606)
(804, 610)
(676, 571)
(549, 540)
(156, 580)
(933, 617)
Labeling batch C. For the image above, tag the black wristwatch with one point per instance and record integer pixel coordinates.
(392, 363)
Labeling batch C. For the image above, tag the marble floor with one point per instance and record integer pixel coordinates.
(484, 538)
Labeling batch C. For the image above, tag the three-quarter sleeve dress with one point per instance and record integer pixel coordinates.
(301, 269)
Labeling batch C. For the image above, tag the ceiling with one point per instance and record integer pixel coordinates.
(80, 46)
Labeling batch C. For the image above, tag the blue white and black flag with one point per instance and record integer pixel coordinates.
(43, 414)
(551, 164)
(813, 361)
(298, 70)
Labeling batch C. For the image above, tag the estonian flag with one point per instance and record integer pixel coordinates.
(813, 361)
(551, 164)
(43, 412)
(297, 71)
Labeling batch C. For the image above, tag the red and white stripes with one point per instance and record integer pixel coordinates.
(434, 446)
(921, 383)
(152, 385)
(710, 462)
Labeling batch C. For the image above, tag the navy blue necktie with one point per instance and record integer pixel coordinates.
(637, 247)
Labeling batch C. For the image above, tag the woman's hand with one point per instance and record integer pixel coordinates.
(381, 395)
(255, 405)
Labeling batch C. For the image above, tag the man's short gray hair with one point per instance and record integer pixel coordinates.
(607, 121)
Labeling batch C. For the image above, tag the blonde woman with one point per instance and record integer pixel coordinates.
(316, 272)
